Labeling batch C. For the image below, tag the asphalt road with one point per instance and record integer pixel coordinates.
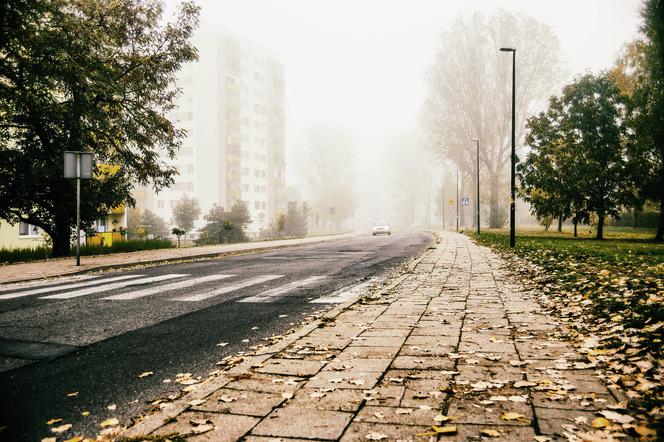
(93, 335)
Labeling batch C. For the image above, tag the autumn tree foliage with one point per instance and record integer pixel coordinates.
(469, 94)
(86, 75)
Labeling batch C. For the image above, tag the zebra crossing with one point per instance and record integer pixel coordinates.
(172, 287)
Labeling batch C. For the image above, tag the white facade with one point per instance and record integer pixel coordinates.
(232, 106)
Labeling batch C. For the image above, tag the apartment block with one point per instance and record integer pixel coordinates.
(232, 107)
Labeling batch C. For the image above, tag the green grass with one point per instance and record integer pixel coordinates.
(612, 288)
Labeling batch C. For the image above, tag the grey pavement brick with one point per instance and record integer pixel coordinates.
(227, 427)
(292, 367)
(302, 422)
(251, 403)
(358, 431)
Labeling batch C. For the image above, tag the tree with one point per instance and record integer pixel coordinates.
(579, 157)
(89, 76)
(295, 221)
(648, 101)
(469, 94)
(186, 212)
(325, 165)
(178, 232)
(226, 226)
(142, 222)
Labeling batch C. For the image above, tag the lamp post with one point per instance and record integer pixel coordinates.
(457, 199)
(513, 160)
(477, 141)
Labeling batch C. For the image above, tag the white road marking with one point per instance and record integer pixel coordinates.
(117, 285)
(229, 288)
(268, 296)
(344, 294)
(65, 287)
(41, 282)
(164, 288)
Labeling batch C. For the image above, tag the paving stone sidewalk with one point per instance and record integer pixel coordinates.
(67, 266)
(454, 343)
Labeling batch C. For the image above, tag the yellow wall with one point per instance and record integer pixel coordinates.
(10, 239)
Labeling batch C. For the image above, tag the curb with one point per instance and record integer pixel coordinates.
(190, 258)
(152, 422)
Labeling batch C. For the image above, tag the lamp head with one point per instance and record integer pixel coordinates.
(508, 49)
(474, 139)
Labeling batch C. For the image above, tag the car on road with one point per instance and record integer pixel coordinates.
(381, 228)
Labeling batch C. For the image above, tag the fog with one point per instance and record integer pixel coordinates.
(359, 69)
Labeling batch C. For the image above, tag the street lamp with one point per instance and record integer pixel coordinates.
(457, 199)
(477, 141)
(513, 185)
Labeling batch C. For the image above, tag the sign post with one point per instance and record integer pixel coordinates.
(78, 165)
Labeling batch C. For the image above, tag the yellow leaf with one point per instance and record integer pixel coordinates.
(447, 429)
(600, 422)
(542, 438)
(61, 428)
(85, 413)
(642, 430)
(53, 421)
(490, 433)
(72, 394)
(50, 439)
(509, 416)
(110, 422)
(145, 374)
(75, 439)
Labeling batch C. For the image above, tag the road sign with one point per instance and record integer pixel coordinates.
(73, 170)
(465, 201)
(78, 165)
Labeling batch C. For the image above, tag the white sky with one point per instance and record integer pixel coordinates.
(360, 64)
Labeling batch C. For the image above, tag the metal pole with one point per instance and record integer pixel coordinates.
(512, 202)
(457, 199)
(78, 209)
(443, 196)
(478, 185)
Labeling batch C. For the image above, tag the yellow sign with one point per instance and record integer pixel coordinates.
(451, 202)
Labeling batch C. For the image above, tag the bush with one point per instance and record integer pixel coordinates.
(10, 256)
(643, 219)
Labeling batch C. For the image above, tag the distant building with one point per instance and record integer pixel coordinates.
(232, 106)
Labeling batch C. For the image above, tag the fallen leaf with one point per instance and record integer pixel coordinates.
(72, 394)
(226, 398)
(61, 428)
(616, 417)
(518, 398)
(490, 433)
(53, 421)
(357, 381)
(522, 384)
(112, 407)
(85, 413)
(375, 436)
(317, 394)
(145, 374)
(196, 402)
(379, 415)
(75, 439)
(202, 428)
(286, 395)
(599, 422)
(49, 439)
(222, 344)
(510, 416)
(542, 439)
(199, 421)
(447, 429)
(109, 422)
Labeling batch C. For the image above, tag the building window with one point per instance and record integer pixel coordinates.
(173, 203)
(190, 168)
(245, 171)
(257, 205)
(245, 187)
(25, 229)
(160, 204)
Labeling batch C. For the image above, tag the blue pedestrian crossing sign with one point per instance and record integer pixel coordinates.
(465, 201)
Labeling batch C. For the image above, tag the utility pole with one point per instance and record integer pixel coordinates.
(457, 199)
(477, 141)
(442, 190)
(513, 159)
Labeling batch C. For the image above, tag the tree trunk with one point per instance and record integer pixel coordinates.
(600, 225)
(660, 228)
(560, 223)
(575, 232)
(61, 241)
